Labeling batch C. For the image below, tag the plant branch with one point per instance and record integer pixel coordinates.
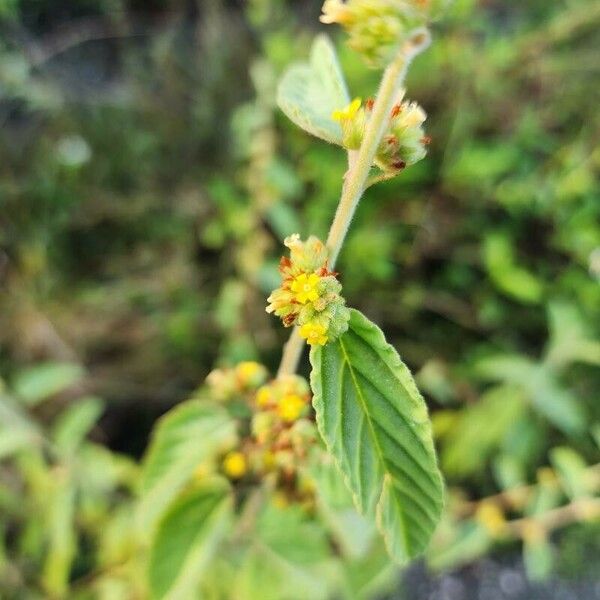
(358, 174)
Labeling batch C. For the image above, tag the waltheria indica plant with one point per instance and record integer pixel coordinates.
(243, 467)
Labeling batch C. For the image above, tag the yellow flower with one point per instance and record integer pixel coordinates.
(290, 407)
(335, 11)
(305, 287)
(235, 465)
(264, 397)
(348, 113)
(314, 333)
(250, 372)
(491, 517)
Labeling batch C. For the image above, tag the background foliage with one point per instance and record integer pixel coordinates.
(146, 183)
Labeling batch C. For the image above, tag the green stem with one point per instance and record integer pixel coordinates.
(358, 173)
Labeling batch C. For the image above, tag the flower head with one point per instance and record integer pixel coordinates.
(309, 292)
(377, 28)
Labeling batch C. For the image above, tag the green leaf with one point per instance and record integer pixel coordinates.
(187, 436)
(509, 277)
(309, 92)
(538, 557)
(352, 532)
(571, 338)
(374, 422)
(481, 428)
(467, 542)
(43, 381)
(75, 423)
(572, 472)
(186, 540)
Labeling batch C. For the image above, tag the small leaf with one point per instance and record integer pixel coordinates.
(308, 93)
(75, 423)
(186, 540)
(188, 435)
(508, 276)
(43, 381)
(572, 472)
(480, 429)
(374, 422)
(538, 557)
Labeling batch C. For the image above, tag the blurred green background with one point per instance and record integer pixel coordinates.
(147, 181)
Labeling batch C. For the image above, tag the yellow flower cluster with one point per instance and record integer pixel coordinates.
(228, 384)
(404, 142)
(377, 28)
(309, 295)
(280, 430)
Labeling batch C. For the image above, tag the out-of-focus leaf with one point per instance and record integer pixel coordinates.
(556, 403)
(309, 93)
(572, 471)
(75, 422)
(186, 539)
(538, 558)
(547, 396)
(375, 423)
(290, 534)
(62, 541)
(369, 577)
(191, 433)
(570, 338)
(468, 542)
(35, 384)
(510, 368)
(510, 278)
(508, 472)
(287, 558)
(350, 529)
(481, 429)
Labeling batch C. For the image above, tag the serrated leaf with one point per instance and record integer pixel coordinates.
(186, 540)
(187, 436)
(375, 423)
(308, 93)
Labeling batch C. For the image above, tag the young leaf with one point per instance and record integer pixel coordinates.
(186, 540)
(185, 437)
(375, 423)
(308, 93)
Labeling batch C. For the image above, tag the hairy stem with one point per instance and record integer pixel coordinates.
(358, 173)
